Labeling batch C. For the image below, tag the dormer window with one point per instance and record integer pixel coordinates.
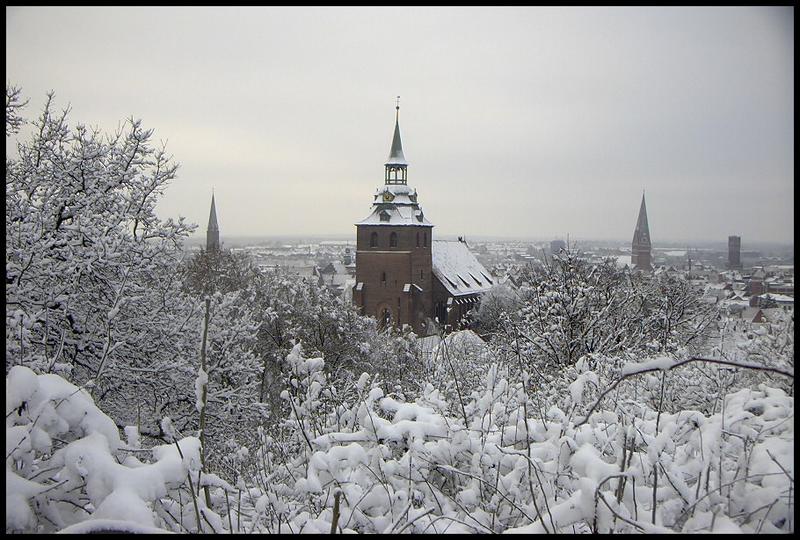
(393, 240)
(385, 216)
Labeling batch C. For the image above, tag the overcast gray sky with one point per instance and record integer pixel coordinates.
(524, 122)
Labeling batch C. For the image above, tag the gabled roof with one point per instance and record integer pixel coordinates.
(458, 270)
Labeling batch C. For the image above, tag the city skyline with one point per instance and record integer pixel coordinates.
(516, 122)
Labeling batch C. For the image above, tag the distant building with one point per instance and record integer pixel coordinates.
(334, 276)
(556, 246)
(403, 277)
(735, 252)
(641, 248)
(212, 232)
(771, 300)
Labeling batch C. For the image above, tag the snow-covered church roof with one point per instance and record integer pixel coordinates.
(396, 204)
(458, 270)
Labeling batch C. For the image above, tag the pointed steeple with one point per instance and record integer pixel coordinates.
(396, 164)
(640, 248)
(642, 232)
(212, 233)
(396, 153)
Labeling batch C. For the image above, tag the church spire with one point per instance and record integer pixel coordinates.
(642, 228)
(212, 233)
(396, 164)
(640, 248)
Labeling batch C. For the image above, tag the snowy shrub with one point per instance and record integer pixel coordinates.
(568, 308)
(459, 364)
(67, 468)
(503, 461)
(91, 284)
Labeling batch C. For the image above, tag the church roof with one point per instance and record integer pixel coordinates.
(457, 269)
(212, 218)
(390, 214)
(396, 156)
(641, 236)
(396, 204)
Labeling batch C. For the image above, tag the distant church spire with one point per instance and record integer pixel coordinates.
(396, 164)
(640, 248)
(212, 233)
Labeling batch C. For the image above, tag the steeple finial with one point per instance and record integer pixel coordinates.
(397, 106)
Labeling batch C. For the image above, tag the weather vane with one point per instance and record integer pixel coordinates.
(397, 103)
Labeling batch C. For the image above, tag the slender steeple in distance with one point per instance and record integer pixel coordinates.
(212, 233)
(640, 248)
(396, 164)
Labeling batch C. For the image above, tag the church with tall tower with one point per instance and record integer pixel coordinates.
(404, 277)
(641, 248)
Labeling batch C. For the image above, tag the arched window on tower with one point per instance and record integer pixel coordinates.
(383, 277)
(417, 239)
(425, 239)
(393, 240)
(373, 240)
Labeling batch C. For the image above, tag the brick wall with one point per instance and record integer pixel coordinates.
(401, 264)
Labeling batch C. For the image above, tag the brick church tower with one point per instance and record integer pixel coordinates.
(640, 248)
(394, 269)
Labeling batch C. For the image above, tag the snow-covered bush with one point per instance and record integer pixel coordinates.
(91, 289)
(96, 286)
(458, 365)
(67, 468)
(503, 461)
(570, 307)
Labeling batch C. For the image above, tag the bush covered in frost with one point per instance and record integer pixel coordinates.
(499, 461)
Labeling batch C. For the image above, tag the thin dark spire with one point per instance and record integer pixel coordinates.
(212, 217)
(212, 233)
(642, 229)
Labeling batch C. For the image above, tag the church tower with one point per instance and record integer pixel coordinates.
(394, 275)
(212, 233)
(640, 249)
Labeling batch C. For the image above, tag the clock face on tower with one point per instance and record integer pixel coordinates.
(387, 196)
